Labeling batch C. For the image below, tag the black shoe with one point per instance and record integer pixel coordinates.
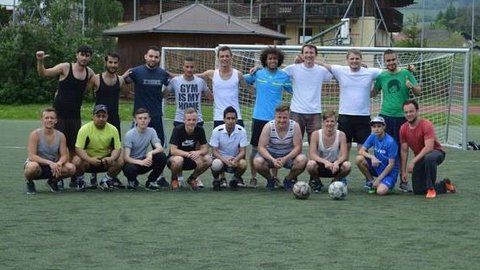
(115, 182)
(30, 188)
(316, 185)
(93, 181)
(73, 182)
(81, 186)
(151, 185)
(162, 182)
(216, 184)
(52, 185)
(60, 185)
(233, 184)
(132, 185)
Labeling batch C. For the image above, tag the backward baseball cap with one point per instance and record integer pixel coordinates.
(377, 120)
(99, 108)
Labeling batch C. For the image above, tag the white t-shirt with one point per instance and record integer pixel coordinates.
(307, 87)
(355, 89)
(228, 145)
(225, 93)
(187, 94)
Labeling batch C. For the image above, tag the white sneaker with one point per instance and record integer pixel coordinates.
(181, 181)
(200, 183)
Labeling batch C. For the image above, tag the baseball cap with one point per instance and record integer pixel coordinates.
(99, 108)
(377, 120)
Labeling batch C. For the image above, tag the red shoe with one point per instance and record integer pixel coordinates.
(449, 185)
(431, 194)
(193, 183)
(174, 184)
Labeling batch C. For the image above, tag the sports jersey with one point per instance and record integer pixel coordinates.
(307, 87)
(384, 149)
(394, 91)
(188, 94)
(229, 144)
(355, 88)
(225, 93)
(138, 142)
(268, 91)
(98, 142)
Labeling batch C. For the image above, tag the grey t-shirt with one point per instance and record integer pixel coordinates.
(139, 142)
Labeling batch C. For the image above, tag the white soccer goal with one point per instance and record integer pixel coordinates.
(443, 74)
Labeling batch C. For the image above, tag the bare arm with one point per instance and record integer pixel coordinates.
(297, 143)
(425, 150)
(60, 69)
(206, 75)
(263, 142)
(403, 162)
(343, 156)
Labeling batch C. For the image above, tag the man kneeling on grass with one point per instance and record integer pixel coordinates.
(138, 160)
(98, 149)
(47, 154)
(228, 144)
(380, 168)
(280, 145)
(188, 150)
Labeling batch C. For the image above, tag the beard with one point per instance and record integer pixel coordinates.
(413, 120)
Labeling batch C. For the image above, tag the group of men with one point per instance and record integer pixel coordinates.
(277, 130)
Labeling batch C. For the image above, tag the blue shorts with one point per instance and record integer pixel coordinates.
(389, 180)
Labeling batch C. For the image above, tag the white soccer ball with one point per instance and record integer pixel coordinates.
(217, 165)
(301, 190)
(337, 190)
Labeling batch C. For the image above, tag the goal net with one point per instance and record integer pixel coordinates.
(442, 74)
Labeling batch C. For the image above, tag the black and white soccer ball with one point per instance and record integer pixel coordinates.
(337, 190)
(301, 190)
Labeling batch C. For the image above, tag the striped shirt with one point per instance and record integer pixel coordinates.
(280, 147)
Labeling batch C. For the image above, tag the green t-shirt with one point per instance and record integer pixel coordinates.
(394, 91)
(98, 142)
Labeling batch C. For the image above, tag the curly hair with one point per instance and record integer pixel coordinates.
(271, 50)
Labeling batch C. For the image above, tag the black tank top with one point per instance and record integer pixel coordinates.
(70, 95)
(108, 95)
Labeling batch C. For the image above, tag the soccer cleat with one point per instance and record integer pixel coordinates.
(270, 184)
(223, 182)
(152, 186)
(52, 185)
(200, 184)
(174, 184)
(240, 182)
(404, 187)
(60, 185)
(30, 188)
(93, 181)
(193, 183)
(449, 185)
(253, 182)
(116, 183)
(162, 182)
(288, 184)
(316, 185)
(277, 182)
(104, 185)
(216, 184)
(131, 185)
(233, 184)
(73, 182)
(81, 186)
(431, 194)
(372, 190)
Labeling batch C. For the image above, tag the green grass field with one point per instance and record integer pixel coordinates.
(248, 229)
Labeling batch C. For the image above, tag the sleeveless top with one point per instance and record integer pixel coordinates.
(108, 95)
(225, 93)
(330, 153)
(70, 95)
(279, 147)
(48, 151)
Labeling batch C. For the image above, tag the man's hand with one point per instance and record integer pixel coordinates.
(375, 162)
(41, 55)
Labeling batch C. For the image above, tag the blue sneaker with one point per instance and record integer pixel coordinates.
(368, 185)
(288, 184)
(344, 180)
(271, 184)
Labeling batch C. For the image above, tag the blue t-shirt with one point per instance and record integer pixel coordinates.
(384, 149)
(268, 91)
(148, 88)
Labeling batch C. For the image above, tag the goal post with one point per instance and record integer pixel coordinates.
(443, 74)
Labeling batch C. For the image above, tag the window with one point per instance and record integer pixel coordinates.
(308, 34)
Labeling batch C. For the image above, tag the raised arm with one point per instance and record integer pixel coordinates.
(58, 70)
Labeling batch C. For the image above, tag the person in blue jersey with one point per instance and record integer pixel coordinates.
(270, 82)
(149, 80)
(382, 167)
(280, 145)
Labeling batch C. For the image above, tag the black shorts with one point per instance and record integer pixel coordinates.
(257, 127)
(188, 164)
(97, 169)
(46, 172)
(69, 126)
(324, 172)
(356, 127)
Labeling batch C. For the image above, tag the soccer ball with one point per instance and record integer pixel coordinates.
(301, 190)
(337, 190)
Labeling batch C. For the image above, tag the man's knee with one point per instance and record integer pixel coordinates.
(32, 170)
(312, 166)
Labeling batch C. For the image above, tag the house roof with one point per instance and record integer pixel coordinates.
(194, 19)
